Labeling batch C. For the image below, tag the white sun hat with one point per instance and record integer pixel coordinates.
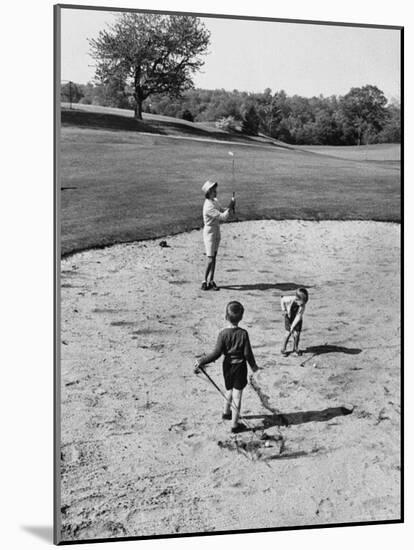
(208, 185)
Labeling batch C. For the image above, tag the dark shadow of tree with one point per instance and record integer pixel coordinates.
(111, 121)
(107, 121)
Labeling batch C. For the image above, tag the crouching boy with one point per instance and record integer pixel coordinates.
(293, 308)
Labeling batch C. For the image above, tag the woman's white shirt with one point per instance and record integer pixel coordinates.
(213, 215)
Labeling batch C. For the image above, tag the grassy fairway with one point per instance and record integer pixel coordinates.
(384, 152)
(120, 185)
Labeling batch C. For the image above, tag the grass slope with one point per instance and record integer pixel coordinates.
(110, 118)
(389, 153)
(120, 185)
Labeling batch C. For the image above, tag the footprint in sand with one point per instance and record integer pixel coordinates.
(69, 454)
(324, 509)
(195, 446)
(179, 427)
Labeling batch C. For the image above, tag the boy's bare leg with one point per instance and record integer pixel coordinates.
(227, 403)
(296, 338)
(237, 396)
(285, 342)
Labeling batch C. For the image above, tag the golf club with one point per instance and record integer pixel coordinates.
(232, 175)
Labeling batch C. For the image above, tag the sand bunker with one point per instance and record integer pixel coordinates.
(144, 449)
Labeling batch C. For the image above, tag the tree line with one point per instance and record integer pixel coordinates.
(361, 116)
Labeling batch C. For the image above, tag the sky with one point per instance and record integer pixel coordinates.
(250, 56)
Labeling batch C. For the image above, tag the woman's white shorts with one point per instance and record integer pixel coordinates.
(211, 243)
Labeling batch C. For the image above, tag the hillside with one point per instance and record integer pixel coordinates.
(121, 185)
(111, 118)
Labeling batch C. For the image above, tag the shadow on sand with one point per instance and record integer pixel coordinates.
(328, 348)
(292, 419)
(265, 286)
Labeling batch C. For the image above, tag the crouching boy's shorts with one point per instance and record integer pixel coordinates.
(288, 323)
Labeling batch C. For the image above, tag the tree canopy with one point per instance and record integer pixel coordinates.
(363, 111)
(152, 54)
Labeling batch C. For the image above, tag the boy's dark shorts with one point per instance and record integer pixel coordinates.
(235, 376)
(288, 323)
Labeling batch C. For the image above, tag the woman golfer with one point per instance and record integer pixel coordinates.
(213, 215)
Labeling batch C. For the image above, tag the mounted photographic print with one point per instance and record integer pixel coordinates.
(228, 274)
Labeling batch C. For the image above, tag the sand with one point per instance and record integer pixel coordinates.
(144, 449)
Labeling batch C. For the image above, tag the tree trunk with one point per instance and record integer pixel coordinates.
(138, 95)
(138, 108)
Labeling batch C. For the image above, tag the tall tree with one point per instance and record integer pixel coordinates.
(363, 111)
(250, 121)
(151, 53)
(71, 92)
(268, 112)
(391, 133)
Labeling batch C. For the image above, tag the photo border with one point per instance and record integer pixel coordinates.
(57, 9)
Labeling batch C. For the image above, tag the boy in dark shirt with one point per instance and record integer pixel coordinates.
(232, 342)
